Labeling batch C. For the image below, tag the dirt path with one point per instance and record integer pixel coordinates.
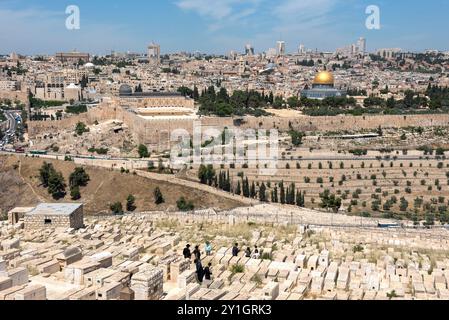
(41, 199)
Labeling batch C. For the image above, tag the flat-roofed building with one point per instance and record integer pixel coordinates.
(72, 57)
(18, 213)
(55, 215)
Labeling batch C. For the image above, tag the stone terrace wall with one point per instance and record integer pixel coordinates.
(347, 122)
(157, 132)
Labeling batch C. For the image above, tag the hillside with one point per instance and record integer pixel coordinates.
(20, 186)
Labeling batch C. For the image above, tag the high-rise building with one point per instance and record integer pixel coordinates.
(281, 48)
(302, 49)
(271, 53)
(388, 53)
(154, 53)
(361, 44)
(249, 50)
(232, 55)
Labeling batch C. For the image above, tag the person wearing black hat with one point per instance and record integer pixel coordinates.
(197, 253)
(186, 252)
(235, 250)
(208, 272)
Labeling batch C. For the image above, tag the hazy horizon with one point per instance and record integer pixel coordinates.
(38, 27)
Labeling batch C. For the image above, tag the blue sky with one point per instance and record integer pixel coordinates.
(218, 26)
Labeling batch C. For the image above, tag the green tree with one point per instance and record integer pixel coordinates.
(131, 203)
(238, 190)
(274, 196)
(246, 191)
(262, 193)
(184, 205)
(296, 137)
(78, 178)
(75, 193)
(56, 185)
(45, 172)
(116, 208)
(282, 193)
(330, 201)
(143, 151)
(252, 192)
(206, 174)
(158, 197)
(81, 128)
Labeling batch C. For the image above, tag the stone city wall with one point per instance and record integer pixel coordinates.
(21, 96)
(156, 133)
(349, 123)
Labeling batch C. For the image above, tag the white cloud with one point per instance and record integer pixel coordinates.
(291, 9)
(34, 30)
(221, 13)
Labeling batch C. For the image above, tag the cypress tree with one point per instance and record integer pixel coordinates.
(262, 193)
(246, 188)
(281, 185)
(253, 190)
(298, 198)
(292, 194)
(239, 188)
(220, 181)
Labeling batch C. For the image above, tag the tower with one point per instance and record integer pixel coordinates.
(154, 53)
(249, 50)
(281, 48)
(361, 44)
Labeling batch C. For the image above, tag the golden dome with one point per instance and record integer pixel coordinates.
(324, 77)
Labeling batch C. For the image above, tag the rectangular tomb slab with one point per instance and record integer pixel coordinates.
(33, 292)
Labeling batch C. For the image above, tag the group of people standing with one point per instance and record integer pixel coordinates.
(206, 273)
(248, 253)
(202, 273)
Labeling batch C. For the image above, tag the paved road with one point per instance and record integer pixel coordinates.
(11, 127)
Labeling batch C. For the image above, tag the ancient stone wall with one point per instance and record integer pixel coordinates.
(157, 133)
(349, 123)
(21, 96)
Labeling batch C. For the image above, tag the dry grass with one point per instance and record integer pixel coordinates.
(105, 187)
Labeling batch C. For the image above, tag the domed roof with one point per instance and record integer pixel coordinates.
(324, 78)
(89, 65)
(125, 90)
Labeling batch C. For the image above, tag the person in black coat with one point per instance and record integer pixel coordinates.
(197, 253)
(208, 272)
(199, 270)
(186, 252)
(235, 250)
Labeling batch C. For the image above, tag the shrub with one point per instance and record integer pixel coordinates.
(116, 208)
(184, 205)
(237, 268)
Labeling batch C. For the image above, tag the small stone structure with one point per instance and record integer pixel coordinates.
(18, 213)
(148, 284)
(55, 215)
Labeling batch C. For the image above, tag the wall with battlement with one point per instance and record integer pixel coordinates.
(349, 123)
(156, 132)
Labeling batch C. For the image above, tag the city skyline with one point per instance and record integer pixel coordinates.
(192, 25)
